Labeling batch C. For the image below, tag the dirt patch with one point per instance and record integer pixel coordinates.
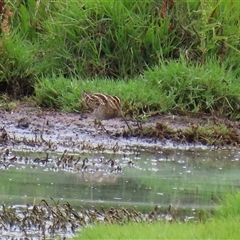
(32, 128)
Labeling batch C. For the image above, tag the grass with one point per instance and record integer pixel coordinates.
(197, 88)
(213, 229)
(66, 95)
(6, 103)
(177, 57)
(211, 133)
(225, 224)
(171, 86)
(230, 206)
(118, 40)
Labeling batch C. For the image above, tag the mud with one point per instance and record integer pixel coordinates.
(29, 128)
(33, 128)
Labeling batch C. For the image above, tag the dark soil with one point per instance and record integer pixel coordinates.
(32, 128)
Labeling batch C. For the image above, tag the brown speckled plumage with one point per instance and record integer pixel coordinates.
(103, 106)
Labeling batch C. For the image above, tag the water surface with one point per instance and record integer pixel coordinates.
(138, 178)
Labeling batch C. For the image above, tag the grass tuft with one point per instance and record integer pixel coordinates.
(224, 224)
(197, 88)
(172, 86)
(119, 39)
(230, 206)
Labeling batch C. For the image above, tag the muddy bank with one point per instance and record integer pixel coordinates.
(32, 128)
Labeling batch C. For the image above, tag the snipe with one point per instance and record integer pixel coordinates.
(103, 106)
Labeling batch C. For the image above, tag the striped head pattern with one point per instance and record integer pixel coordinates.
(94, 100)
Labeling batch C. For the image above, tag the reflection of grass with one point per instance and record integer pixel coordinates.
(173, 184)
(192, 184)
(36, 183)
(224, 225)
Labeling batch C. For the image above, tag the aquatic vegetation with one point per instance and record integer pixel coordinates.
(40, 220)
(66, 220)
(66, 162)
(214, 132)
(43, 220)
(222, 224)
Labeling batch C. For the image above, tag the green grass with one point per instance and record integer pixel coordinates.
(66, 95)
(172, 86)
(230, 206)
(197, 88)
(213, 229)
(225, 224)
(121, 40)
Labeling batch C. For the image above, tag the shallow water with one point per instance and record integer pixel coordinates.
(186, 179)
(141, 179)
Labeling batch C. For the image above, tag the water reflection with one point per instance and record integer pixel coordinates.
(183, 178)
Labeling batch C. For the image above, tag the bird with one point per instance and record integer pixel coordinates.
(104, 107)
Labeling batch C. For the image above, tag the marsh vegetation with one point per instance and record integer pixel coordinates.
(174, 64)
(171, 56)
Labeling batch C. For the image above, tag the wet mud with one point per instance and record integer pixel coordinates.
(29, 128)
(32, 128)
